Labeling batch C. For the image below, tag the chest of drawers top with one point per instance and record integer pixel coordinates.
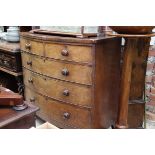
(56, 47)
(88, 40)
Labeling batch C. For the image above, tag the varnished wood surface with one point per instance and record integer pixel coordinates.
(136, 115)
(9, 47)
(10, 117)
(62, 39)
(25, 122)
(132, 29)
(125, 83)
(139, 65)
(133, 35)
(9, 98)
(75, 52)
(137, 88)
(77, 73)
(57, 88)
(10, 58)
(35, 47)
(10, 66)
(71, 34)
(94, 76)
(107, 82)
(55, 50)
(33, 97)
(133, 75)
(53, 110)
(10, 72)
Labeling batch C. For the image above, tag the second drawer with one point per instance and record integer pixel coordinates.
(60, 70)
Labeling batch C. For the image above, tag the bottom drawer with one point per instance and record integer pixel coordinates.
(59, 114)
(39, 101)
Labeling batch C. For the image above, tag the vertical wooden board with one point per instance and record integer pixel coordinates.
(139, 68)
(107, 81)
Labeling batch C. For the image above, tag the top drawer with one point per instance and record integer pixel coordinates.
(75, 53)
(34, 47)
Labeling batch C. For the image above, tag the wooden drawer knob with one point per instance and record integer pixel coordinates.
(66, 115)
(30, 80)
(29, 63)
(66, 92)
(65, 72)
(28, 46)
(32, 99)
(64, 52)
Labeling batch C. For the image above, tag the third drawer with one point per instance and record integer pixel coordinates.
(57, 89)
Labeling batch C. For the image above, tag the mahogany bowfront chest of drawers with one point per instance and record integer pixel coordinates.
(74, 81)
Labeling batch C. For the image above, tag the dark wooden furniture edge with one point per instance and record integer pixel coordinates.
(12, 47)
(10, 72)
(24, 113)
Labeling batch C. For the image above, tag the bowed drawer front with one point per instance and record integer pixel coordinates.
(69, 52)
(58, 51)
(34, 47)
(60, 70)
(57, 89)
(69, 115)
(39, 101)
